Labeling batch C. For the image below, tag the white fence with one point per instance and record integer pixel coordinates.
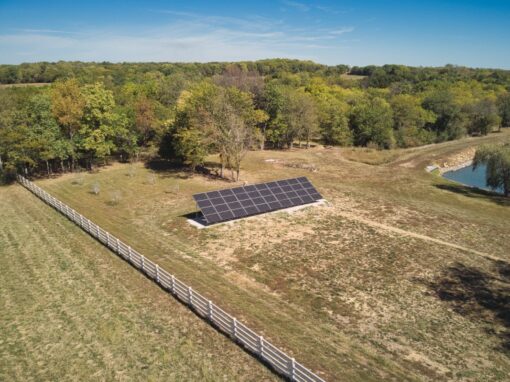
(240, 333)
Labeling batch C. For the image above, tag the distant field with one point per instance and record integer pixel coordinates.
(34, 84)
(73, 311)
(352, 77)
(342, 287)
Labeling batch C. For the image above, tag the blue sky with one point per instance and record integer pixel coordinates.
(471, 33)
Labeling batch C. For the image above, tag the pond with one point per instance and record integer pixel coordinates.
(468, 177)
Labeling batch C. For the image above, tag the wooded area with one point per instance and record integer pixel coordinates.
(185, 112)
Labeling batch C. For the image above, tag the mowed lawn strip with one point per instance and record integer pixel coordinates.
(72, 310)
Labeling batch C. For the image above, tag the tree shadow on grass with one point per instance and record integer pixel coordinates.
(476, 193)
(172, 169)
(166, 168)
(479, 295)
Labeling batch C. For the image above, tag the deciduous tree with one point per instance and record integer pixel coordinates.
(497, 160)
(101, 126)
(409, 119)
(67, 105)
(372, 122)
(504, 109)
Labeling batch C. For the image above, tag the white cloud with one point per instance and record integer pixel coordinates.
(44, 31)
(185, 37)
(299, 6)
(341, 31)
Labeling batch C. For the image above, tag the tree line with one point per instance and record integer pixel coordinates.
(186, 112)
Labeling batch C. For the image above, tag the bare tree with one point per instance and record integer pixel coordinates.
(300, 116)
(239, 141)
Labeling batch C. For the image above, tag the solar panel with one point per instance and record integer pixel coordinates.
(239, 202)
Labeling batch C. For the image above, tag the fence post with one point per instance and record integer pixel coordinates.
(209, 310)
(292, 368)
(157, 273)
(234, 327)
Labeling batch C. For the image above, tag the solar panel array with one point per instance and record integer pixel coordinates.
(239, 202)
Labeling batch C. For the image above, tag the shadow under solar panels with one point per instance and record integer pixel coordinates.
(240, 202)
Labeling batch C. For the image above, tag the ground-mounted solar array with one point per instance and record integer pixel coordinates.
(239, 202)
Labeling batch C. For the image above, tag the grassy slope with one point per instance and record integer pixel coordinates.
(71, 310)
(347, 299)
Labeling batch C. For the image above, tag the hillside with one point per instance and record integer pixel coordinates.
(403, 275)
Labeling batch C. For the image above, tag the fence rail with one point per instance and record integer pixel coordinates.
(226, 323)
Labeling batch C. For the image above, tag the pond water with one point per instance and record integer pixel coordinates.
(467, 176)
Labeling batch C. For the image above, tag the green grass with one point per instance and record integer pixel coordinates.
(72, 310)
(31, 84)
(351, 300)
(352, 77)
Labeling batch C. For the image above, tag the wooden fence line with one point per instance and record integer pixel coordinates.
(226, 323)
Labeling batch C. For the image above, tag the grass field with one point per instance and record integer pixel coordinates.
(352, 77)
(32, 84)
(71, 310)
(403, 276)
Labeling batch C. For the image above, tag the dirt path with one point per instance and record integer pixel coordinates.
(372, 223)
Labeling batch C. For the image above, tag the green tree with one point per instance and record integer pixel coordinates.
(101, 126)
(372, 123)
(302, 116)
(410, 119)
(237, 126)
(483, 117)
(213, 119)
(195, 127)
(292, 115)
(145, 120)
(497, 160)
(17, 149)
(32, 136)
(504, 109)
(273, 101)
(67, 105)
(333, 112)
(190, 147)
(334, 122)
(44, 133)
(451, 121)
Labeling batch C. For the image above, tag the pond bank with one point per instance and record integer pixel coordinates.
(457, 161)
(443, 170)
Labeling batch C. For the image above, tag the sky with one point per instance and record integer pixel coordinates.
(420, 33)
